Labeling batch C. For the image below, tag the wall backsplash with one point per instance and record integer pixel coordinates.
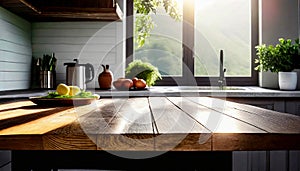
(90, 42)
(15, 51)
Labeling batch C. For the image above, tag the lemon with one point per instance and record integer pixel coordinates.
(74, 90)
(62, 89)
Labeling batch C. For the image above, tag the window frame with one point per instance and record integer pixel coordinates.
(188, 36)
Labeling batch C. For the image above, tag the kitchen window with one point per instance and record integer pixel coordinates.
(188, 52)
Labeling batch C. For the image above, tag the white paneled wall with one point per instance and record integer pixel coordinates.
(15, 51)
(91, 42)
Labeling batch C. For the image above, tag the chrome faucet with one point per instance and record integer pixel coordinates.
(222, 70)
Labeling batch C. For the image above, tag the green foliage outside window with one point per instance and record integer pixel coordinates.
(143, 21)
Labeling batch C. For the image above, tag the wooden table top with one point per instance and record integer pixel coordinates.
(147, 124)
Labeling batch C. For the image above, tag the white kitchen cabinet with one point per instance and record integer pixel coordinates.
(5, 159)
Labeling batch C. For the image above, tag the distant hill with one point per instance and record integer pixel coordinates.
(219, 25)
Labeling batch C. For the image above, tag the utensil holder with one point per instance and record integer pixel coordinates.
(46, 79)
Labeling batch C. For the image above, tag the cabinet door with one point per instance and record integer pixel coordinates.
(5, 158)
(249, 160)
(279, 160)
(293, 107)
(294, 160)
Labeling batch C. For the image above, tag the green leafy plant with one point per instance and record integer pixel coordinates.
(283, 57)
(82, 94)
(143, 21)
(143, 70)
(48, 62)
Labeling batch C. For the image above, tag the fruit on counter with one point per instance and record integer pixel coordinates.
(62, 89)
(65, 91)
(140, 84)
(134, 79)
(74, 90)
(127, 83)
(123, 83)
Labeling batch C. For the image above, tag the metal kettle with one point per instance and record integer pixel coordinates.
(79, 74)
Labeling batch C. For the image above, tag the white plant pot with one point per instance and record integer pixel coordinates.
(298, 78)
(287, 80)
(268, 79)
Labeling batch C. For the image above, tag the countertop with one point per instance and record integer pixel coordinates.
(147, 124)
(175, 91)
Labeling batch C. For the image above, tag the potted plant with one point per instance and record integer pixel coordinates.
(296, 61)
(280, 59)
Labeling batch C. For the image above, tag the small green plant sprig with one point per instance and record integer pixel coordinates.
(82, 94)
(143, 70)
(283, 57)
(48, 62)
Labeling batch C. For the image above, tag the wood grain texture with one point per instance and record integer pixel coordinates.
(147, 124)
(175, 126)
(78, 132)
(269, 121)
(129, 127)
(213, 120)
(69, 137)
(58, 10)
(254, 141)
(21, 142)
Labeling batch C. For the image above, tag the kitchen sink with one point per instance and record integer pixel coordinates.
(208, 88)
(199, 88)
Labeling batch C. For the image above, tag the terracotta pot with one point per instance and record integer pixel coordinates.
(105, 78)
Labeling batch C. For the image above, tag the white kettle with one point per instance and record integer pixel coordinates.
(79, 74)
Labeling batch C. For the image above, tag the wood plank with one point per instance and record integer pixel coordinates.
(264, 119)
(254, 141)
(130, 128)
(21, 142)
(38, 123)
(79, 134)
(69, 137)
(287, 122)
(215, 121)
(13, 111)
(176, 130)
(14, 105)
(40, 11)
(73, 25)
(135, 124)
